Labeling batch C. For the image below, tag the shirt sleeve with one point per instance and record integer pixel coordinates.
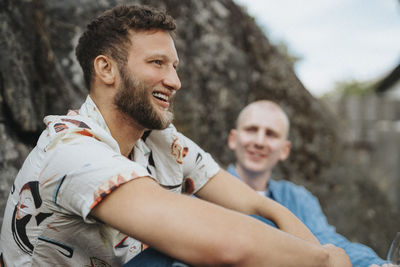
(310, 212)
(198, 166)
(80, 173)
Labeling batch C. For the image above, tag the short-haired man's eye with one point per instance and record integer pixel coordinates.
(251, 129)
(271, 134)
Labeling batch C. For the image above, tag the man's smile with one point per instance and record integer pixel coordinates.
(256, 155)
(162, 98)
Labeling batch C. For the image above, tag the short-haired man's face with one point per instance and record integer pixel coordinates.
(149, 80)
(260, 140)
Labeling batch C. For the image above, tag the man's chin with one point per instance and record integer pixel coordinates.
(255, 168)
(164, 122)
(167, 117)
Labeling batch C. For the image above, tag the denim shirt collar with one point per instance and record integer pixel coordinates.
(270, 186)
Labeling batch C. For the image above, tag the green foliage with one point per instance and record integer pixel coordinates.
(351, 88)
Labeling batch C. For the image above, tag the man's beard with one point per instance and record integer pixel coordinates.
(134, 99)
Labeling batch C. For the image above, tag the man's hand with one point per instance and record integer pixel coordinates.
(337, 256)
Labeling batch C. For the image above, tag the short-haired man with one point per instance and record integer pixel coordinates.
(103, 182)
(260, 141)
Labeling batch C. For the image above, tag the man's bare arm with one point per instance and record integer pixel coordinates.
(242, 198)
(201, 233)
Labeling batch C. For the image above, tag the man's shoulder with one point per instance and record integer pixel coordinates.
(166, 134)
(71, 120)
(64, 129)
(167, 140)
(288, 187)
(295, 197)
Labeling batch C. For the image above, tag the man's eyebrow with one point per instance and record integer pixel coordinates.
(157, 55)
(163, 56)
(249, 126)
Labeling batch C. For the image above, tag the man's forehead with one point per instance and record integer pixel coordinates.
(255, 113)
(153, 43)
(262, 117)
(274, 125)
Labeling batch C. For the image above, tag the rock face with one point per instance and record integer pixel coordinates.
(226, 62)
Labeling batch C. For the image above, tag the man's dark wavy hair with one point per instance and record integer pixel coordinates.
(108, 34)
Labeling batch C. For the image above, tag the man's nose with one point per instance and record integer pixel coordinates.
(260, 138)
(171, 79)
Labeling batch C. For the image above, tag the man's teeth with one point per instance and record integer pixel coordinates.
(257, 154)
(161, 96)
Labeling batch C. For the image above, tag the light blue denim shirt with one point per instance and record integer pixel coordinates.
(307, 208)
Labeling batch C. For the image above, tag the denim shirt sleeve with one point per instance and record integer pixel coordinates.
(307, 208)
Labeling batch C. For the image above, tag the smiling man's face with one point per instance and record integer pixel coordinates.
(149, 80)
(260, 139)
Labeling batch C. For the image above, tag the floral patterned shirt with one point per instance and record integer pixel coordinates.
(75, 164)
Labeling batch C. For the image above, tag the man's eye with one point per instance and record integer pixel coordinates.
(157, 61)
(271, 134)
(251, 129)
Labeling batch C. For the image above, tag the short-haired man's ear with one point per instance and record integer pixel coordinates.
(232, 139)
(105, 69)
(285, 150)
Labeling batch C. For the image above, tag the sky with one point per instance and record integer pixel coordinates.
(337, 40)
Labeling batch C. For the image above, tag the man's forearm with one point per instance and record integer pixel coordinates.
(242, 198)
(284, 219)
(202, 233)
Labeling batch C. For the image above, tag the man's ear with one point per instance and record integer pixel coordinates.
(285, 150)
(232, 139)
(105, 69)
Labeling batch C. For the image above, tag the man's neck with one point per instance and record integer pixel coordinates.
(256, 180)
(123, 128)
(125, 131)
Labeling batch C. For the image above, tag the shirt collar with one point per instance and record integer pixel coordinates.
(90, 110)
